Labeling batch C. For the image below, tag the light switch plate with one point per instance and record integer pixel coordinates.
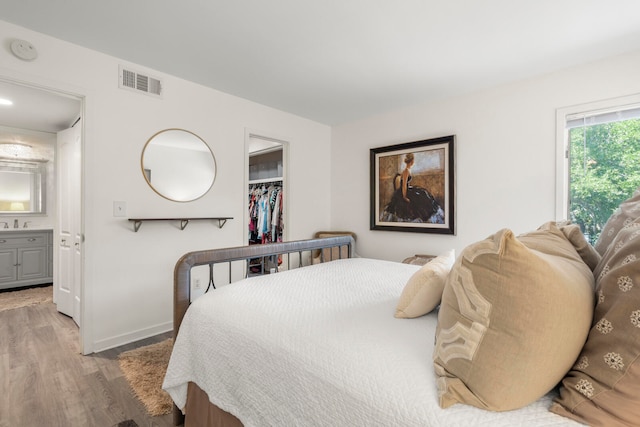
(119, 208)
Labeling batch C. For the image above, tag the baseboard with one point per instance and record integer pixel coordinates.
(130, 337)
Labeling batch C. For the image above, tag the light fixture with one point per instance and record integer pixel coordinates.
(16, 206)
(4, 101)
(15, 149)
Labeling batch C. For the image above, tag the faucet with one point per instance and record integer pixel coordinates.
(25, 224)
(15, 223)
(6, 224)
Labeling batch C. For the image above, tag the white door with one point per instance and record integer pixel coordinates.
(69, 238)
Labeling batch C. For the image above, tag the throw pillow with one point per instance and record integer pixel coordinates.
(514, 316)
(423, 291)
(603, 388)
(627, 212)
(588, 253)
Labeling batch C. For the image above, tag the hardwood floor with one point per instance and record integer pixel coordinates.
(45, 381)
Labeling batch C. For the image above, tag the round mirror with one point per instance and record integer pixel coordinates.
(178, 165)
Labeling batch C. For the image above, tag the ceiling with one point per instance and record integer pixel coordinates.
(54, 111)
(336, 61)
(35, 114)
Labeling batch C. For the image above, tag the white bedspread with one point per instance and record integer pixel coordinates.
(319, 346)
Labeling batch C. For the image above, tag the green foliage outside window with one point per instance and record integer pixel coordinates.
(604, 171)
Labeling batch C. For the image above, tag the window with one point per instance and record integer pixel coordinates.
(599, 161)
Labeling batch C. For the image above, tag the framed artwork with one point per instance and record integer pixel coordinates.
(412, 186)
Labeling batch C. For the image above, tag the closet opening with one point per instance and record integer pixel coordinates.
(267, 213)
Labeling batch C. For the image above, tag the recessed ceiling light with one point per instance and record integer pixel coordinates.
(4, 101)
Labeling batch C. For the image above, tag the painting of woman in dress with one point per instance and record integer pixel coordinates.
(412, 186)
(411, 203)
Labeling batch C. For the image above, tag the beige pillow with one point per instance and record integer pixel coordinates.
(627, 212)
(423, 291)
(514, 316)
(603, 388)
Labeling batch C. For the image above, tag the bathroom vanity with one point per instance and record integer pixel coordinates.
(26, 257)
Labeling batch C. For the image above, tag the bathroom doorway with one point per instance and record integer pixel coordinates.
(32, 117)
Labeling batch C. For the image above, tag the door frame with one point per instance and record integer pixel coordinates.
(82, 95)
(251, 133)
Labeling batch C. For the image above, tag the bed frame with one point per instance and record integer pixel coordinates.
(306, 251)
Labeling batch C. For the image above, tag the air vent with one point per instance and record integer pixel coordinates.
(132, 80)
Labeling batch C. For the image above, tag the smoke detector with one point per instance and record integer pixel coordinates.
(24, 50)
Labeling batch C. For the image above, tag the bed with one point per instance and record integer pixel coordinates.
(319, 345)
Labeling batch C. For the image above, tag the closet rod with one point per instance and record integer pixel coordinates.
(265, 151)
(265, 181)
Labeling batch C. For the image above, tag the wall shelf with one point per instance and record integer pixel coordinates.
(137, 222)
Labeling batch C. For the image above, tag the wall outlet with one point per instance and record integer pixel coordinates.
(119, 208)
(197, 284)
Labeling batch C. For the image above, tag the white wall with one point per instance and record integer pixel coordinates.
(505, 160)
(128, 277)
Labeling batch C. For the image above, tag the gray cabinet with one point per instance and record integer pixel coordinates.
(25, 258)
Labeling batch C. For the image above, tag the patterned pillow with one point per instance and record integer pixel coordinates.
(603, 388)
(627, 212)
(423, 291)
(514, 316)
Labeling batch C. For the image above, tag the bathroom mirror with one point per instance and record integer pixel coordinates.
(22, 188)
(178, 165)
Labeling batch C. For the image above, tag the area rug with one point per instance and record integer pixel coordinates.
(144, 369)
(26, 297)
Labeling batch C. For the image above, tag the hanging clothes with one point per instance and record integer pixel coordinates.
(265, 213)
